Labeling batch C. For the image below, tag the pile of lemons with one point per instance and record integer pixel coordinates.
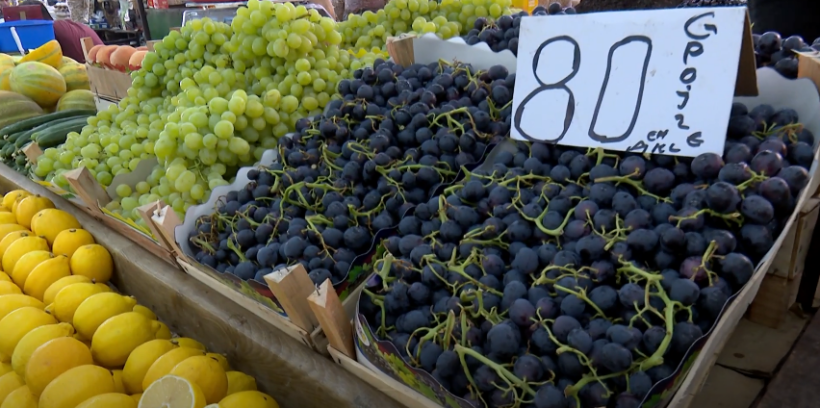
(68, 341)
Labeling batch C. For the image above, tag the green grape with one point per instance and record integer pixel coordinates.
(123, 190)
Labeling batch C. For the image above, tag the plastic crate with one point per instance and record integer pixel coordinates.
(32, 33)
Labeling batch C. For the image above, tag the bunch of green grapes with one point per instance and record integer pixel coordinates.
(449, 19)
(210, 99)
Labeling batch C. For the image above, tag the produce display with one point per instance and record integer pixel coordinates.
(340, 181)
(68, 340)
(573, 277)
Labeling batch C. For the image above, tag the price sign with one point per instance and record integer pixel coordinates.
(656, 81)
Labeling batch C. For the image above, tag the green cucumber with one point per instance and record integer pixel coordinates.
(56, 136)
(57, 122)
(43, 119)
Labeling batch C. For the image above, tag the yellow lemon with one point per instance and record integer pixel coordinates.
(145, 312)
(140, 360)
(136, 397)
(20, 247)
(188, 342)
(8, 383)
(10, 303)
(248, 399)
(67, 241)
(12, 196)
(33, 340)
(20, 398)
(164, 332)
(5, 368)
(18, 323)
(51, 222)
(54, 358)
(97, 309)
(205, 372)
(239, 381)
(111, 400)
(6, 217)
(26, 264)
(69, 299)
(30, 206)
(46, 274)
(11, 237)
(4, 277)
(118, 384)
(9, 288)
(172, 392)
(115, 339)
(75, 386)
(55, 288)
(221, 359)
(93, 261)
(163, 365)
(6, 229)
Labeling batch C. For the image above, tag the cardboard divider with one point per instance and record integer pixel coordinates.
(106, 83)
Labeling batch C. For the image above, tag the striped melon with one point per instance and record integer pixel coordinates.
(77, 99)
(38, 81)
(75, 76)
(15, 107)
(49, 53)
(66, 61)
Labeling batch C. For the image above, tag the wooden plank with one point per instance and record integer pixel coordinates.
(728, 389)
(295, 375)
(791, 257)
(758, 350)
(292, 286)
(796, 384)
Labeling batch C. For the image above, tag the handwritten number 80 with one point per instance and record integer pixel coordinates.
(562, 85)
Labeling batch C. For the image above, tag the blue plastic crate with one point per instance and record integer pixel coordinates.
(32, 33)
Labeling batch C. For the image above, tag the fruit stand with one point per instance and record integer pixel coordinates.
(292, 211)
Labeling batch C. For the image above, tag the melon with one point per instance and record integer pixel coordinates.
(142, 48)
(15, 107)
(104, 55)
(76, 77)
(121, 56)
(77, 99)
(5, 75)
(66, 61)
(135, 63)
(49, 53)
(6, 61)
(91, 58)
(40, 82)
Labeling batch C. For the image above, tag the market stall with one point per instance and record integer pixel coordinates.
(434, 204)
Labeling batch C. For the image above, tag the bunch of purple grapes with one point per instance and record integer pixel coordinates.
(396, 134)
(557, 277)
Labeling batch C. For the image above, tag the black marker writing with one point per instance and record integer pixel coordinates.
(685, 96)
(707, 27)
(626, 41)
(562, 85)
(679, 118)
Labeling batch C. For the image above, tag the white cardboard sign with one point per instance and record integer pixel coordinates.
(655, 81)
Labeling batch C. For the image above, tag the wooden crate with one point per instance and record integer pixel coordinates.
(105, 83)
(294, 375)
